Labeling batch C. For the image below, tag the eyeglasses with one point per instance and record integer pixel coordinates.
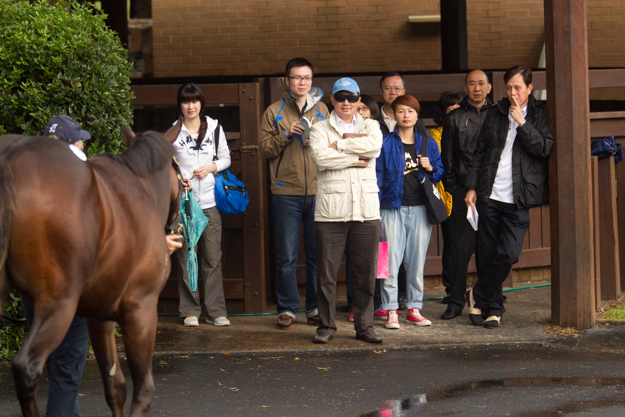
(350, 98)
(393, 89)
(297, 79)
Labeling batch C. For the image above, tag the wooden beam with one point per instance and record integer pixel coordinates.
(572, 259)
(597, 236)
(454, 45)
(151, 95)
(608, 223)
(250, 100)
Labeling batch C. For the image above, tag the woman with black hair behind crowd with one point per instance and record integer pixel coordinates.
(400, 169)
(195, 149)
(368, 108)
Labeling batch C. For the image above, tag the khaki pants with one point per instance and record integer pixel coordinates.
(209, 250)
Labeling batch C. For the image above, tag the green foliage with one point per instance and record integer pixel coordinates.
(12, 335)
(616, 313)
(63, 59)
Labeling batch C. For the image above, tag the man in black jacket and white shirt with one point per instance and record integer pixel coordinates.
(507, 176)
(459, 140)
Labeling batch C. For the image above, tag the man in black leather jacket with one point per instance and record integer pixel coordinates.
(460, 134)
(507, 176)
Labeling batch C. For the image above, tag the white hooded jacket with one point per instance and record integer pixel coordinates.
(191, 158)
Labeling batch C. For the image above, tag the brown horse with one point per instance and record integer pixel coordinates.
(87, 238)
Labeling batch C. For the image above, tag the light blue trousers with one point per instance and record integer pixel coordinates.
(407, 232)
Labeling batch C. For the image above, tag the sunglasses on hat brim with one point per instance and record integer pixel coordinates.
(350, 98)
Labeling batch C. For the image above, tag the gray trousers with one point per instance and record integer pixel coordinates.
(362, 241)
(209, 251)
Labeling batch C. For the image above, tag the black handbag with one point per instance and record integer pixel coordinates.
(437, 212)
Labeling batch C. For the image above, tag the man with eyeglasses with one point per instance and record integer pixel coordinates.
(293, 186)
(344, 148)
(393, 85)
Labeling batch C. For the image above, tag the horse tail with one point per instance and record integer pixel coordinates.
(7, 200)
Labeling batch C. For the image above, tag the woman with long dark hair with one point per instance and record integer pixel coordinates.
(195, 150)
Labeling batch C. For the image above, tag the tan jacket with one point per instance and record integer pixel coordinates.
(290, 164)
(346, 193)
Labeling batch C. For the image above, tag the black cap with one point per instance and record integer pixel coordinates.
(65, 128)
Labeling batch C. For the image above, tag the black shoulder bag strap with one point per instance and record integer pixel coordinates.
(216, 140)
(424, 148)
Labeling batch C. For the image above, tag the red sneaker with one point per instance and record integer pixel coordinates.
(392, 322)
(417, 318)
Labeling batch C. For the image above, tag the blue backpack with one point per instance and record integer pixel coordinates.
(230, 193)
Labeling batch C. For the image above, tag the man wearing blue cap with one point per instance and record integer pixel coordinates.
(68, 130)
(347, 212)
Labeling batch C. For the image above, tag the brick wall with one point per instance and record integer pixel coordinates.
(254, 37)
(233, 37)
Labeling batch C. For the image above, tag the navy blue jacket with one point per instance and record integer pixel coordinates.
(390, 166)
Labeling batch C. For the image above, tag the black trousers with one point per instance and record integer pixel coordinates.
(501, 230)
(362, 241)
(65, 365)
(461, 242)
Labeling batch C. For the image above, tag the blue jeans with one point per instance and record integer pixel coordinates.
(289, 213)
(407, 232)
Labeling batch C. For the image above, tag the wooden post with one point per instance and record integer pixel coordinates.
(454, 45)
(254, 218)
(597, 237)
(608, 223)
(572, 252)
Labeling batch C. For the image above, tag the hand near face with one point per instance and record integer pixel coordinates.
(516, 112)
(296, 129)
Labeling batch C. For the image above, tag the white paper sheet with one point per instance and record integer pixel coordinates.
(473, 217)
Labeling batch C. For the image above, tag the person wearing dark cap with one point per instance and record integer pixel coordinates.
(68, 130)
(347, 212)
(66, 363)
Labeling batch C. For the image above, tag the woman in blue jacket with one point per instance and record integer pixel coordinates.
(400, 169)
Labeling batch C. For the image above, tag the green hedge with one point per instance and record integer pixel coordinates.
(63, 59)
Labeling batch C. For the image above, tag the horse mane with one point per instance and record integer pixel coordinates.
(148, 153)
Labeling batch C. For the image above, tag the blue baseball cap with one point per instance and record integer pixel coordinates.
(65, 128)
(346, 84)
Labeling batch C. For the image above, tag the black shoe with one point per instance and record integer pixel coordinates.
(369, 338)
(322, 338)
(505, 298)
(402, 305)
(492, 321)
(445, 299)
(450, 314)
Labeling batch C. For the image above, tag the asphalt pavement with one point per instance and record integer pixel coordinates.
(526, 367)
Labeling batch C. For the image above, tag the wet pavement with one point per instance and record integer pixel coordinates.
(524, 368)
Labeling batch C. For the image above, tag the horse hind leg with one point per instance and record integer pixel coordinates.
(103, 343)
(7, 197)
(139, 330)
(48, 329)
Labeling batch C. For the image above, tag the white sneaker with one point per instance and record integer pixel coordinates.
(191, 321)
(392, 322)
(219, 321)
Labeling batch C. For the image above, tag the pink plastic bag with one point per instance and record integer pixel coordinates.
(383, 261)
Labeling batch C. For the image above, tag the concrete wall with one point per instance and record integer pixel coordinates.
(254, 37)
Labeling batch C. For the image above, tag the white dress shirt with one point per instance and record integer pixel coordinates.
(502, 187)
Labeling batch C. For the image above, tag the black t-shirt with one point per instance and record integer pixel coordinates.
(413, 191)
